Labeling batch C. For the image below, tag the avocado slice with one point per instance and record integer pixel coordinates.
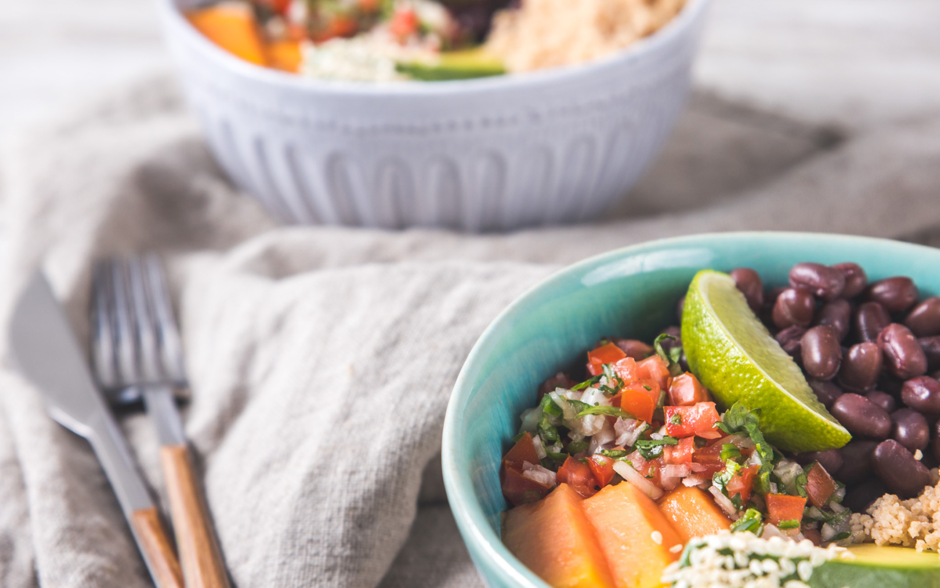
(455, 65)
(880, 567)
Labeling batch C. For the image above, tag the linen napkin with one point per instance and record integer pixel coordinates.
(321, 359)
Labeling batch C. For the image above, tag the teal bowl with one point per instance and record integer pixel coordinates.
(630, 292)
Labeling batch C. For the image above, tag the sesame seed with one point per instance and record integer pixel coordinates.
(918, 455)
(657, 537)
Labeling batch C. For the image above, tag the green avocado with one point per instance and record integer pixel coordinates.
(880, 567)
(455, 65)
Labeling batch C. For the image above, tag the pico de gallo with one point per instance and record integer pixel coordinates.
(640, 417)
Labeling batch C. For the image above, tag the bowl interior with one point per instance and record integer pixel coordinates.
(631, 293)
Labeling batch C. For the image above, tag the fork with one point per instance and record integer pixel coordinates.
(138, 354)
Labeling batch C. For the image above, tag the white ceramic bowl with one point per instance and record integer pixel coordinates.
(555, 146)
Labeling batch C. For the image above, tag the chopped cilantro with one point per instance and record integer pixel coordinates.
(751, 521)
(604, 410)
(586, 383)
(550, 407)
(614, 453)
(577, 446)
(672, 357)
(730, 451)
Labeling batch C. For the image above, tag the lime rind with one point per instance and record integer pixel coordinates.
(735, 357)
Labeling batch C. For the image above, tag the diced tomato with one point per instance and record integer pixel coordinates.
(653, 368)
(781, 507)
(686, 390)
(683, 421)
(635, 401)
(522, 451)
(577, 475)
(603, 469)
(608, 353)
(521, 490)
(680, 453)
(709, 457)
(651, 470)
(813, 535)
(819, 485)
(743, 482)
(403, 23)
(278, 6)
(626, 369)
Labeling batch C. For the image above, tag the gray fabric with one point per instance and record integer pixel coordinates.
(321, 359)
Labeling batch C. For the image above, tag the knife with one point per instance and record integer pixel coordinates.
(48, 354)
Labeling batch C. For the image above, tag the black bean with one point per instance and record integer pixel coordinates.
(922, 394)
(860, 497)
(559, 380)
(826, 392)
(903, 355)
(931, 347)
(885, 401)
(896, 294)
(821, 353)
(856, 456)
(823, 281)
(679, 306)
(910, 429)
(861, 416)
(870, 319)
(890, 384)
(684, 363)
(794, 306)
(830, 459)
(838, 315)
(791, 340)
(861, 366)
(636, 349)
(924, 319)
(749, 283)
(855, 278)
(897, 468)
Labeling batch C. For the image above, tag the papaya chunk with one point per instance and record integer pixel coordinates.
(233, 28)
(554, 539)
(693, 513)
(635, 536)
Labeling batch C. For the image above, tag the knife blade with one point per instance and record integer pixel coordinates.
(47, 353)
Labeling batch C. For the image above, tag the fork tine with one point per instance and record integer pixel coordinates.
(171, 347)
(126, 352)
(148, 345)
(103, 335)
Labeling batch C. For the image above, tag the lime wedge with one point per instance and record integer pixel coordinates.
(735, 357)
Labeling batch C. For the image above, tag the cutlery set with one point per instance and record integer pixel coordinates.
(137, 356)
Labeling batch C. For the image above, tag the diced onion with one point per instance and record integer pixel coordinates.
(539, 448)
(605, 436)
(694, 481)
(724, 502)
(741, 441)
(658, 435)
(836, 507)
(827, 532)
(754, 460)
(531, 418)
(634, 477)
(628, 431)
(676, 471)
(537, 473)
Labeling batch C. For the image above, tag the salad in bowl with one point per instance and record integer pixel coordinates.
(777, 434)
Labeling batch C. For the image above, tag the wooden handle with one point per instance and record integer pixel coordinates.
(157, 549)
(195, 538)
